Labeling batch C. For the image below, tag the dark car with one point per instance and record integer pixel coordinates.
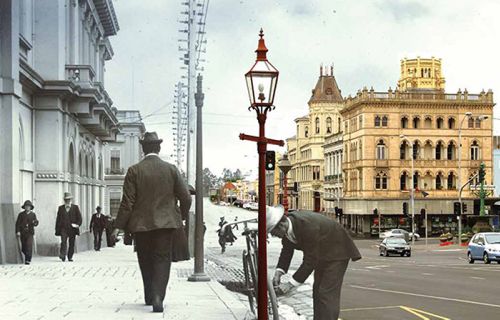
(238, 203)
(394, 246)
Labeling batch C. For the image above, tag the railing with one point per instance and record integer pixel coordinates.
(111, 171)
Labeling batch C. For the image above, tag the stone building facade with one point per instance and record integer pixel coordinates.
(119, 155)
(333, 154)
(305, 149)
(55, 114)
(383, 131)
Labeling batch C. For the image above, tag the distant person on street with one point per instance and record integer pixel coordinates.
(222, 221)
(25, 229)
(235, 226)
(97, 225)
(68, 222)
(148, 211)
(110, 221)
(327, 249)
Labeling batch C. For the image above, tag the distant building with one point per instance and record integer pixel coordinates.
(119, 155)
(377, 159)
(496, 165)
(333, 154)
(55, 114)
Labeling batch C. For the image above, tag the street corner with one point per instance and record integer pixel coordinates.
(389, 313)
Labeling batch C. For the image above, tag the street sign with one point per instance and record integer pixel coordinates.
(487, 187)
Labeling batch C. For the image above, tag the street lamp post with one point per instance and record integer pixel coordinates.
(285, 166)
(261, 84)
(412, 192)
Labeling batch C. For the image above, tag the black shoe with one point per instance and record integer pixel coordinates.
(157, 305)
(70, 260)
(62, 258)
(27, 262)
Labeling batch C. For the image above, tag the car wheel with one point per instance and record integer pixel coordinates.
(380, 253)
(486, 259)
(408, 254)
(469, 257)
(386, 253)
(403, 254)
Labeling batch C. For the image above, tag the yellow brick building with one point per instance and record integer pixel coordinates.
(384, 130)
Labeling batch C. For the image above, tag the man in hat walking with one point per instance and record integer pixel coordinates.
(327, 249)
(151, 191)
(97, 225)
(25, 229)
(68, 222)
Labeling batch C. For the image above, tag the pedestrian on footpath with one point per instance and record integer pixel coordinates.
(97, 225)
(68, 222)
(327, 249)
(110, 221)
(148, 210)
(25, 229)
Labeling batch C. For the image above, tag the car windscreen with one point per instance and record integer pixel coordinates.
(493, 238)
(396, 241)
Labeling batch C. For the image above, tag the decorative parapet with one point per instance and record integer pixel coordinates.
(366, 95)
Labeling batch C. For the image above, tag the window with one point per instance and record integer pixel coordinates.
(416, 178)
(416, 150)
(403, 180)
(478, 122)
(471, 122)
(451, 123)
(439, 147)
(345, 127)
(404, 122)
(115, 161)
(360, 121)
(451, 151)
(381, 181)
(428, 123)
(377, 121)
(440, 123)
(316, 173)
(439, 181)
(474, 151)
(381, 150)
(402, 150)
(317, 125)
(416, 122)
(306, 131)
(451, 181)
(328, 125)
(384, 121)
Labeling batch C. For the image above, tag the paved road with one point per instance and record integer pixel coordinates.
(435, 283)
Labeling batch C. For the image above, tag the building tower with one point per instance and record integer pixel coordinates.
(421, 74)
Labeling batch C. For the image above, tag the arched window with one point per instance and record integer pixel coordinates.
(317, 125)
(71, 159)
(306, 131)
(451, 181)
(451, 123)
(403, 183)
(381, 181)
(377, 121)
(428, 123)
(439, 122)
(470, 122)
(478, 122)
(439, 181)
(416, 122)
(451, 151)
(416, 150)
(474, 151)
(439, 150)
(416, 180)
(427, 150)
(381, 150)
(403, 150)
(339, 124)
(328, 125)
(404, 122)
(384, 121)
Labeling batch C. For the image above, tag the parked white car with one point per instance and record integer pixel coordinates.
(251, 206)
(398, 233)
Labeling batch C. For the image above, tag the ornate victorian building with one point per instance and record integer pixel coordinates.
(305, 149)
(55, 114)
(383, 131)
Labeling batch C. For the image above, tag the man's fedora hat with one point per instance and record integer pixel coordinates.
(273, 217)
(150, 137)
(67, 195)
(28, 203)
(98, 208)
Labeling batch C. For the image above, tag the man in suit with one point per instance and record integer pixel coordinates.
(327, 249)
(25, 229)
(68, 222)
(148, 210)
(97, 225)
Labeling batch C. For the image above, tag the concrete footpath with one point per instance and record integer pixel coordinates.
(107, 285)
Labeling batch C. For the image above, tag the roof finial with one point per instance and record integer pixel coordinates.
(321, 69)
(261, 34)
(261, 49)
(331, 70)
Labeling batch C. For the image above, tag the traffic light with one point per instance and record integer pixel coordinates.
(270, 160)
(456, 208)
(337, 214)
(482, 173)
(375, 211)
(405, 208)
(464, 207)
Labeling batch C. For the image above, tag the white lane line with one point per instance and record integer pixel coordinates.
(447, 250)
(369, 308)
(390, 271)
(377, 267)
(429, 297)
(478, 278)
(427, 274)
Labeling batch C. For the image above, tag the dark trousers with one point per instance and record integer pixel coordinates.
(326, 289)
(65, 249)
(97, 238)
(154, 252)
(27, 245)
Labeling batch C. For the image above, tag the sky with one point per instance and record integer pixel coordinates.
(364, 40)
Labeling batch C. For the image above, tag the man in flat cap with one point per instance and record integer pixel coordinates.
(25, 229)
(97, 225)
(68, 222)
(327, 249)
(151, 191)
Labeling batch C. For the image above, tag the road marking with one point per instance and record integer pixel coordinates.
(369, 308)
(420, 313)
(447, 250)
(427, 296)
(377, 267)
(478, 278)
(427, 274)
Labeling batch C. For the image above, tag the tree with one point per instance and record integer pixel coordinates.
(237, 175)
(210, 181)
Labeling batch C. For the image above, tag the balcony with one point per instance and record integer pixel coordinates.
(115, 171)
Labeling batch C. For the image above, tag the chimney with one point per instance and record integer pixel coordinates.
(321, 70)
(331, 70)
